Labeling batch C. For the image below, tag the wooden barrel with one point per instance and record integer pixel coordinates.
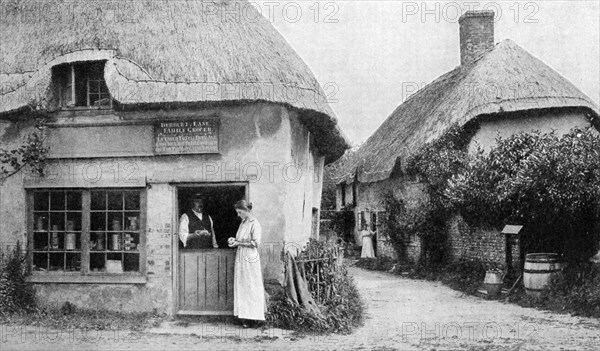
(539, 269)
(493, 283)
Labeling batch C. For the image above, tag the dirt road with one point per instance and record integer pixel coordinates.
(402, 314)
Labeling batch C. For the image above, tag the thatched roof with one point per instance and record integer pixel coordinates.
(505, 79)
(160, 52)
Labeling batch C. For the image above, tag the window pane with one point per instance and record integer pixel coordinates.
(57, 261)
(116, 241)
(42, 221)
(57, 221)
(94, 89)
(73, 221)
(41, 201)
(115, 221)
(115, 200)
(73, 262)
(97, 262)
(98, 200)
(114, 263)
(40, 241)
(74, 200)
(72, 241)
(40, 261)
(132, 200)
(98, 241)
(57, 201)
(131, 241)
(98, 221)
(132, 220)
(131, 262)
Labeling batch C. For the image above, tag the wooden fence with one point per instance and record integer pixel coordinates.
(318, 273)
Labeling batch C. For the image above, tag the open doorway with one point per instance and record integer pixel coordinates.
(218, 204)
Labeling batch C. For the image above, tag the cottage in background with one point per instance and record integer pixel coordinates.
(498, 89)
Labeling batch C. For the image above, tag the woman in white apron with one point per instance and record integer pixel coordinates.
(367, 242)
(248, 289)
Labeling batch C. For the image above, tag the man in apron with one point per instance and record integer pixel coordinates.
(196, 228)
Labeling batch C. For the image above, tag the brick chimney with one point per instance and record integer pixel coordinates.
(476, 35)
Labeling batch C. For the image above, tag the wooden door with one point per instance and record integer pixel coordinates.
(206, 282)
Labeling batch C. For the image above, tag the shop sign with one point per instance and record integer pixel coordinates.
(193, 136)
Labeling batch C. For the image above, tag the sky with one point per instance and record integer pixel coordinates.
(371, 55)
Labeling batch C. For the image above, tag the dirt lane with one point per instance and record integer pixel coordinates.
(402, 314)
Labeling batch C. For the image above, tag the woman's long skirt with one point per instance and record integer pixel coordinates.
(367, 248)
(248, 289)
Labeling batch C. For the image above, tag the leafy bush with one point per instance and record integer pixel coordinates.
(548, 183)
(339, 300)
(15, 293)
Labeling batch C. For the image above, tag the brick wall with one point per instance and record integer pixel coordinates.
(476, 30)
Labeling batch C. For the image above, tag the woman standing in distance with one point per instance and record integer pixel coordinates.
(248, 289)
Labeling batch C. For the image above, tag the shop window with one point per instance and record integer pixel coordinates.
(82, 84)
(87, 231)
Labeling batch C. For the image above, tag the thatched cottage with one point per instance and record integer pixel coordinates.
(498, 89)
(145, 104)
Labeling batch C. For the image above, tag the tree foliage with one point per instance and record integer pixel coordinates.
(550, 184)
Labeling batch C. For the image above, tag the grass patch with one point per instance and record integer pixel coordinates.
(70, 317)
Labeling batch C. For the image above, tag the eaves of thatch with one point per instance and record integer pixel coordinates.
(161, 52)
(505, 79)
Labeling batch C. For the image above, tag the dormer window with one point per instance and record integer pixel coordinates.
(82, 84)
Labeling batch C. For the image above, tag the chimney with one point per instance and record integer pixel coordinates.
(476, 35)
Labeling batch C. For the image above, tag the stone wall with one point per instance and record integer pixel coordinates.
(476, 243)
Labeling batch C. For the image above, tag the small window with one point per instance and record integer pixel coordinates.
(374, 222)
(82, 84)
(343, 191)
(112, 243)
